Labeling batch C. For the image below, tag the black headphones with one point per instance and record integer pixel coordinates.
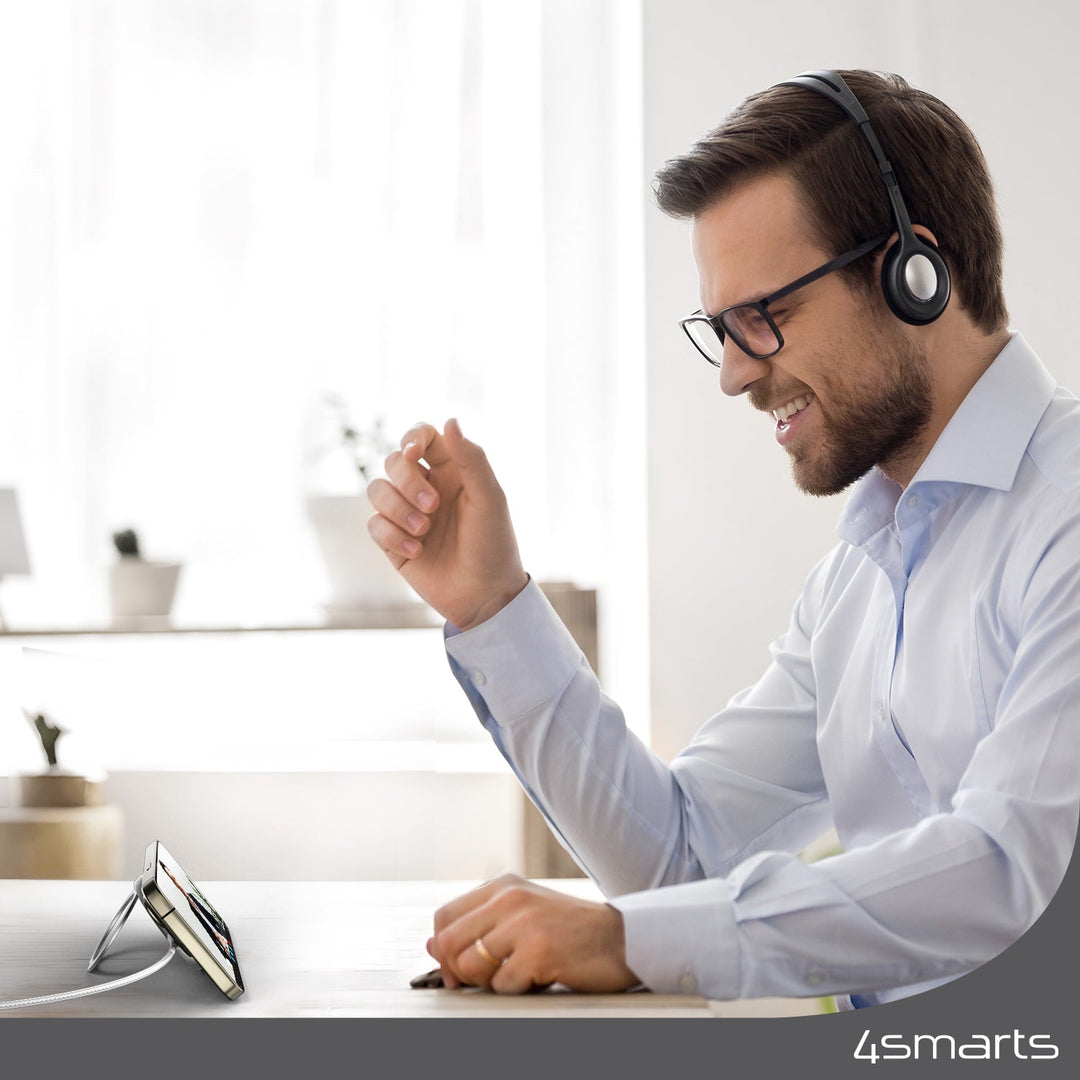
(914, 276)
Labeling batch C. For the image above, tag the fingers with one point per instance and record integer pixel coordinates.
(404, 502)
(398, 520)
(432, 471)
(398, 545)
(450, 980)
(408, 476)
(466, 957)
(513, 936)
(438, 449)
(476, 473)
(514, 977)
(482, 962)
(466, 943)
(423, 443)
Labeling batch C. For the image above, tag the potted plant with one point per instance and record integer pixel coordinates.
(361, 579)
(55, 786)
(62, 826)
(138, 587)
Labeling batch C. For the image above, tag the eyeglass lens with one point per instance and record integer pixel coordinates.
(749, 328)
(705, 338)
(753, 333)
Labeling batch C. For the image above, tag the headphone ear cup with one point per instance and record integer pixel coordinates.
(915, 281)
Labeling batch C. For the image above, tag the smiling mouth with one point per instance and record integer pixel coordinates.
(786, 411)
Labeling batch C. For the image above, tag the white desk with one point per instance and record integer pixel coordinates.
(306, 949)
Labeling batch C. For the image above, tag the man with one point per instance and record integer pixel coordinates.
(924, 699)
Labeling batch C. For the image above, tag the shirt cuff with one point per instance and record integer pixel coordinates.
(682, 939)
(520, 658)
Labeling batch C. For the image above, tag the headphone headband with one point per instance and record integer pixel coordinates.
(915, 279)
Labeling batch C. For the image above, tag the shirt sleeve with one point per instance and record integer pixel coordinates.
(750, 781)
(739, 913)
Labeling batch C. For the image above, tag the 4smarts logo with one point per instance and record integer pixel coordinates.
(1014, 1046)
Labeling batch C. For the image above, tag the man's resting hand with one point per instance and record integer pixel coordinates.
(513, 935)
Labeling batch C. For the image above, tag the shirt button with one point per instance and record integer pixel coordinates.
(913, 500)
(688, 982)
(479, 678)
(815, 978)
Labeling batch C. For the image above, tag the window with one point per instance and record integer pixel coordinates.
(220, 211)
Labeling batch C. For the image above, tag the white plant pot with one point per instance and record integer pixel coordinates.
(139, 588)
(361, 576)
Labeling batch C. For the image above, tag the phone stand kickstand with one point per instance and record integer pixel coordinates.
(115, 927)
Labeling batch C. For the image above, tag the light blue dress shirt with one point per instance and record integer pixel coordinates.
(924, 700)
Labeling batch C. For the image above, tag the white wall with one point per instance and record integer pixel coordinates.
(730, 539)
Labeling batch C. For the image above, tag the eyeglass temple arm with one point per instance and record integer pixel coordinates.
(829, 267)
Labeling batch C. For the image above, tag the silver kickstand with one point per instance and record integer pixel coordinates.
(115, 927)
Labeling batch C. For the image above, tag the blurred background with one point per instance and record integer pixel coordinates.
(245, 241)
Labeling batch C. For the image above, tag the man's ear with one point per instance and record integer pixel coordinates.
(921, 231)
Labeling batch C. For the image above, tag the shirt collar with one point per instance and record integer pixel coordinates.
(982, 444)
(985, 441)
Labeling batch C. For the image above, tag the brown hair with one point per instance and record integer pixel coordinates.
(938, 164)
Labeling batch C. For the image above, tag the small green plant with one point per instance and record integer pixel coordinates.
(47, 733)
(126, 543)
(365, 448)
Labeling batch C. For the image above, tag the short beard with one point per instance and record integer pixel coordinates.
(877, 424)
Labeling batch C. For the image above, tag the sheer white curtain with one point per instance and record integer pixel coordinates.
(214, 211)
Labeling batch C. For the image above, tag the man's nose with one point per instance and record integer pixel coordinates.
(738, 371)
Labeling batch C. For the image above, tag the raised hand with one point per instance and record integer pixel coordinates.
(442, 519)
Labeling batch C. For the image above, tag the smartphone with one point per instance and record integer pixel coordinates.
(182, 910)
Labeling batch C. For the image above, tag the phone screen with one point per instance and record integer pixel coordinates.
(196, 910)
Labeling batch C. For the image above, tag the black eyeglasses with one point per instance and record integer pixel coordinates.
(750, 325)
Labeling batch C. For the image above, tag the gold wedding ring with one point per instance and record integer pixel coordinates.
(485, 952)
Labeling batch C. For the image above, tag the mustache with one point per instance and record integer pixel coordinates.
(761, 397)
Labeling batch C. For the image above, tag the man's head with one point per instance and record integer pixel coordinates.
(938, 164)
(788, 183)
(861, 385)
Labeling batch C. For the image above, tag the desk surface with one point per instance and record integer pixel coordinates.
(306, 949)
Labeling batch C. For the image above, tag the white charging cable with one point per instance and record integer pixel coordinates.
(86, 991)
(107, 939)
